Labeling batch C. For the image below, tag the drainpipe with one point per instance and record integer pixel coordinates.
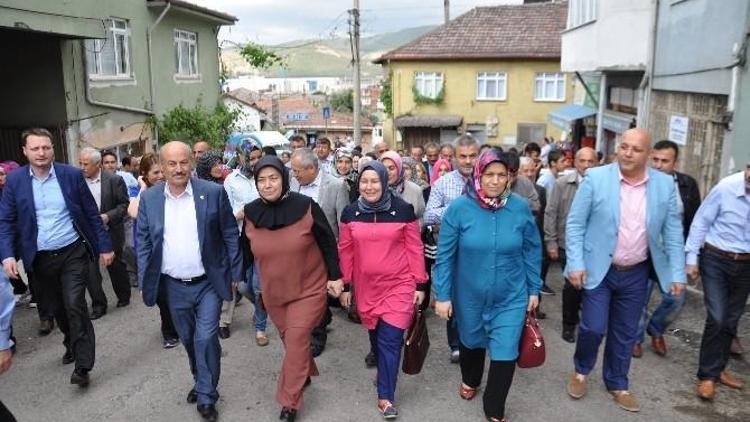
(646, 86)
(152, 89)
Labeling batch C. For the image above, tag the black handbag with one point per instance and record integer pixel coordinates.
(416, 345)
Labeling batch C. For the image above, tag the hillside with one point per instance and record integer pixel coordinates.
(326, 57)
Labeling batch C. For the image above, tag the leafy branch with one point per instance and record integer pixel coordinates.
(260, 57)
(420, 99)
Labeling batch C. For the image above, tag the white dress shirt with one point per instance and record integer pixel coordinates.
(181, 250)
(313, 189)
(95, 186)
(241, 191)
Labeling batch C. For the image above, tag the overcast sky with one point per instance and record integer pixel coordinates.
(277, 21)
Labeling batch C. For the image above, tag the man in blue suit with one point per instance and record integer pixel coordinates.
(622, 221)
(49, 208)
(188, 247)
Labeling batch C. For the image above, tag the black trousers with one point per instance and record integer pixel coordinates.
(571, 298)
(499, 379)
(43, 309)
(5, 415)
(61, 278)
(120, 282)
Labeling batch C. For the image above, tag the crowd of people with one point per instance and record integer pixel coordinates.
(468, 230)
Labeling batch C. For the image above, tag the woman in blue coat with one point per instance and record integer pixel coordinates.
(487, 276)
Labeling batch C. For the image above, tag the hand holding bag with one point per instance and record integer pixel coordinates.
(417, 344)
(531, 350)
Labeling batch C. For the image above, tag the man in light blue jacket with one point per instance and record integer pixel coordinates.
(623, 221)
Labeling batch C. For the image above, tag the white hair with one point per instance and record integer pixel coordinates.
(92, 153)
(524, 161)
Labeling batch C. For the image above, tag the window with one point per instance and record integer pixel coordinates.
(530, 132)
(581, 12)
(186, 53)
(549, 87)
(110, 58)
(429, 84)
(491, 86)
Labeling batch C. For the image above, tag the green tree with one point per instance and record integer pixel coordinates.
(260, 57)
(342, 101)
(386, 94)
(197, 124)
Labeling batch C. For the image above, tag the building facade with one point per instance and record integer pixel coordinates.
(96, 71)
(476, 75)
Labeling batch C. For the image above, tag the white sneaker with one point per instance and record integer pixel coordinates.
(455, 356)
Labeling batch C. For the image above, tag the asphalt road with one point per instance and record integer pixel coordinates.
(136, 380)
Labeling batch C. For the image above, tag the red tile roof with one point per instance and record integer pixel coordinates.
(303, 104)
(529, 31)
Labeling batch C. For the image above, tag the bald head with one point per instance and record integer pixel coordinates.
(177, 164)
(584, 160)
(633, 152)
(380, 148)
(200, 148)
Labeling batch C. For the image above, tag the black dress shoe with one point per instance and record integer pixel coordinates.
(288, 414)
(308, 381)
(371, 360)
(317, 350)
(208, 412)
(68, 357)
(224, 333)
(568, 334)
(80, 377)
(192, 396)
(123, 303)
(97, 314)
(46, 326)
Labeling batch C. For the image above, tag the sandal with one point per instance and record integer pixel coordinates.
(494, 419)
(466, 392)
(387, 409)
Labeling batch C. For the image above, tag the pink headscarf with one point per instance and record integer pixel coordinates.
(398, 187)
(436, 169)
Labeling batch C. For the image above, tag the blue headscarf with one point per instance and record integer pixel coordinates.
(384, 203)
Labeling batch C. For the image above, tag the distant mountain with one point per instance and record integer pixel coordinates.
(327, 57)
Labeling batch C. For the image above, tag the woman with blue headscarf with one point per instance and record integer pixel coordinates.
(487, 277)
(381, 252)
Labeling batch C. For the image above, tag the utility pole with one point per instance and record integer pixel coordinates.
(447, 8)
(354, 13)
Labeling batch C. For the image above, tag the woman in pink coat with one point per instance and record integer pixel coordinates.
(380, 250)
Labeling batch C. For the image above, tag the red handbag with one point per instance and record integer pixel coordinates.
(531, 352)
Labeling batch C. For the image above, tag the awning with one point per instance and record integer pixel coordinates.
(431, 121)
(617, 122)
(564, 116)
(91, 26)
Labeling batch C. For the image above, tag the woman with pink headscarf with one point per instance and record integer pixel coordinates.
(405, 189)
(441, 168)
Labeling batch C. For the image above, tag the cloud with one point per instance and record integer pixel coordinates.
(279, 21)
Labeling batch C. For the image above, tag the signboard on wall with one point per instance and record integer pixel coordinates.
(678, 129)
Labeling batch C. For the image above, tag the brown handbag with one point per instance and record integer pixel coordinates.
(531, 351)
(416, 345)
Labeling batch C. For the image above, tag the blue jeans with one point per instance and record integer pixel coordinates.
(664, 314)
(726, 285)
(195, 310)
(612, 308)
(250, 288)
(387, 340)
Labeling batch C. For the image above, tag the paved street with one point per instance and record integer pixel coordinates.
(136, 380)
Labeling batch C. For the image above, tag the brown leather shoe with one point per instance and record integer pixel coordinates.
(659, 345)
(625, 400)
(637, 350)
(706, 389)
(577, 385)
(730, 380)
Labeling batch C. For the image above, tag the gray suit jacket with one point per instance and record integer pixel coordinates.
(333, 197)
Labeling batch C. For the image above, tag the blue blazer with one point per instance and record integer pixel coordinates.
(18, 214)
(217, 234)
(594, 219)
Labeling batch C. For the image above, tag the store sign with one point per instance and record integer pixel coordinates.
(297, 116)
(678, 129)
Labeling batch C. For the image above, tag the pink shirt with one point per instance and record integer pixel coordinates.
(632, 239)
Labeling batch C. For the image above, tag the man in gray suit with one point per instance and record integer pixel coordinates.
(332, 195)
(111, 196)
